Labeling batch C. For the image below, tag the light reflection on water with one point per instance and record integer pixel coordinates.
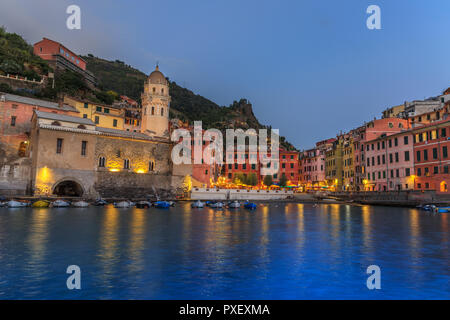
(279, 251)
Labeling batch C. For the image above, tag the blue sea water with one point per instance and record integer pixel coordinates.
(278, 251)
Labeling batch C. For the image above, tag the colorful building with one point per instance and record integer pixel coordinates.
(431, 157)
(60, 57)
(106, 116)
(390, 163)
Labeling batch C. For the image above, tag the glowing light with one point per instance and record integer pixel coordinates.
(114, 169)
(140, 171)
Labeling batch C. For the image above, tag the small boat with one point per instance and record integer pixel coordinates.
(208, 203)
(17, 204)
(3, 204)
(197, 204)
(249, 205)
(162, 204)
(442, 209)
(41, 204)
(122, 204)
(143, 204)
(216, 205)
(60, 204)
(234, 205)
(100, 202)
(172, 203)
(429, 207)
(80, 204)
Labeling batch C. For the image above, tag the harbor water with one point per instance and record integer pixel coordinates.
(278, 251)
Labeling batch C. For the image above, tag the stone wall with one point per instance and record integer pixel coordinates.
(138, 181)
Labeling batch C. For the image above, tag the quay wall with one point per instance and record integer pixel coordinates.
(238, 194)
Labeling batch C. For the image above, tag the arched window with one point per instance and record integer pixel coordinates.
(153, 111)
(126, 164)
(56, 123)
(101, 162)
(162, 90)
(162, 112)
(81, 126)
(154, 89)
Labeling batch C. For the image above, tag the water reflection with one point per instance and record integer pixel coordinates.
(37, 242)
(137, 240)
(109, 244)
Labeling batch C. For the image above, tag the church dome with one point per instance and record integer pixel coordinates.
(156, 77)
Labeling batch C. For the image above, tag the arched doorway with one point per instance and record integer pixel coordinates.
(68, 188)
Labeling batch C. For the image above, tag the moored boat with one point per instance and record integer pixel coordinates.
(60, 204)
(162, 204)
(100, 202)
(234, 205)
(80, 204)
(216, 205)
(17, 204)
(443, 209)
(249, 205)
(122, 204)
(143, 204)
(41, 204)
(197, 204)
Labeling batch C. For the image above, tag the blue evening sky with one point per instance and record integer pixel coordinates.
(310, 68)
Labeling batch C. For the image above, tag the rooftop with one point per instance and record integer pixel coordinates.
(36, 102)
(62, 117)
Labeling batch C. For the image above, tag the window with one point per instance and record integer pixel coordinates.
(390, 158)
(435, 170)
(396, 157)
(406, 155)
(445, 169)
(443, 132)
(126, 164)
(83, 147)
(59, 143)
(114, 122)
(419, 172)
(101, 162)
(425, 155)
(151, 165)
(405, 140)
(435, 153)
(162, 112)
(81, 127)
(253, 166)
(444, 152)
(230, 166)
(85, 116)
(396, 142)
(86, 105)
(397, 173)
(97, 119)
(98, 109)
(13, 121)
(418, 155)
(153, 111)
(106, 110)
(407, 173)
(390, 143)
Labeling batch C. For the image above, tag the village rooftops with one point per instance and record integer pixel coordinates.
(36, 102)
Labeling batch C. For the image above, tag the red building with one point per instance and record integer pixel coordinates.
(245, 163)
(289, 166)
(60, 57)
(431, 156)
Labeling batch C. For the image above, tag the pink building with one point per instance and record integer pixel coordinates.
(312, 167)
(390, 162)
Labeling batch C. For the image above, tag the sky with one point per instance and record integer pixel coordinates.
(310, 68)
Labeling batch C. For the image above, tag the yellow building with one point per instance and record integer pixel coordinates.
(104, 116)
(333, 165)
(348, 163)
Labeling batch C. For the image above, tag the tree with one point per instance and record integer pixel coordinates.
(283, 180)
(252, 180)
(268, 180)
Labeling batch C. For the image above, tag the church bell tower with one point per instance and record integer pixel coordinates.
(155, 105)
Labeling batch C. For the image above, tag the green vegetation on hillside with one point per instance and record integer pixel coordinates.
(16, 57)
